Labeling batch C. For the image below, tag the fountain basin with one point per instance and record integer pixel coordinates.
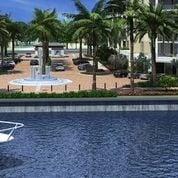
(41, 81)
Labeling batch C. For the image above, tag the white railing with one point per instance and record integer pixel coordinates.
(10, 130)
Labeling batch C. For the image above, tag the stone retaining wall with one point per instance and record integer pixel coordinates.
(88, 105)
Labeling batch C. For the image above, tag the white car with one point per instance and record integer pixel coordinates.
(144, 76)
(59, 67)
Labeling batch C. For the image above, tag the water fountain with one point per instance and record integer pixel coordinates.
(38, 79)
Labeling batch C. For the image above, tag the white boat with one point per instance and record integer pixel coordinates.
(6, 134)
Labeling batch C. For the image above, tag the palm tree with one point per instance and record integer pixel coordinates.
(128, 11)
(3, 35)
(44, 27)
(131, 16)
(115, 8)
(118, 32)
(95, 25)
(14, 31)
(154, 21)
(84, 13)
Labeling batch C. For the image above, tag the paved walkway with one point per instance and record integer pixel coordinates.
(22, 70)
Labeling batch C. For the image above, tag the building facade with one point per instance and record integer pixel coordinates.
(166, 51)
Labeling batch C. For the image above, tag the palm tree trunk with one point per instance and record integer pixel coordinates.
(173, 46)
(47, 53)
(2, 54)
(153, 57)
(13, 49)
(88, 48)
(95, 67)
(45, 57)
(80, 50)
(5, 50)
(67, 45)
(132, 54)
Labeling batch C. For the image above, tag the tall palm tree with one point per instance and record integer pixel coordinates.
(14, 31)
(45, 26)
(84, 13)
(118, 33)
(3, 35)
(154, 21)
(131, 16)
(95, 25)
(128, 11)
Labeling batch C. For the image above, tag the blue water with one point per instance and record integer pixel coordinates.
(92, 145)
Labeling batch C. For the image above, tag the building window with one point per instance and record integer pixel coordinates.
(167, 49)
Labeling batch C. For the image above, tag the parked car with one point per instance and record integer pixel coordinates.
(10, 62)
(84, 66)
(10, 54)
(34, 62)
(59, 67)
(136, 75)
(28, 55)
(144, 76)
(120, 73)
(7, 65)
(17, 59)
(80, 61)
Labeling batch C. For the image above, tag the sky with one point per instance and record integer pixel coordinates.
(22, 10)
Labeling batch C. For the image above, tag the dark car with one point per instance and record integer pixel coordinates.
(136, 75)
(84, 66)
(34, 62)
(79, 61)
(10, 54)
(120, 73)
(17, 59)
(7, 65)
(28, 55)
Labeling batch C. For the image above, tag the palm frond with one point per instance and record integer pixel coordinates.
(99, 6)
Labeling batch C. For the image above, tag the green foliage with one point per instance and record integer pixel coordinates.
(45, 24)
(118, 32)
(147, 84)
(104, 52)
(142, 64)
(168, 81)
(80, 94)
(119, 61)
(164, 82)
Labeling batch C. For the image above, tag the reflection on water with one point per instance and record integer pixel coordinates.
(127, 145)
(9, 162)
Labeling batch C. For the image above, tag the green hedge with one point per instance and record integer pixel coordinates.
(80, 94)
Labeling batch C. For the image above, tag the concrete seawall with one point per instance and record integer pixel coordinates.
(89, 105)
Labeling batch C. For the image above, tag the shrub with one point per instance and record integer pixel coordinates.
(119, 62)
(147, 84)
(167, 82)
(104, 52)
(80, 94)
(142, 63)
